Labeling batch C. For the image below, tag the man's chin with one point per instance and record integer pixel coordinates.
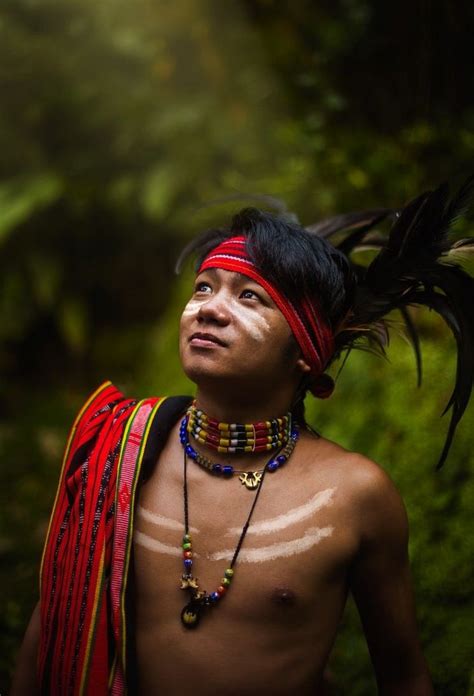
(206, 377)
(201, 374)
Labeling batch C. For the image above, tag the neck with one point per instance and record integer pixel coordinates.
(242, 407)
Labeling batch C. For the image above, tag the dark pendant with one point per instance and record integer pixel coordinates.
(191, 614)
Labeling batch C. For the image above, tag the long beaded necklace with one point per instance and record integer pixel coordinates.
(200, 600)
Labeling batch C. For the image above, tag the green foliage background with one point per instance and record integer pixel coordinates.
(120, 123)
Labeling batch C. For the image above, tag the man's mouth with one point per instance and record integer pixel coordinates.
(204, 340)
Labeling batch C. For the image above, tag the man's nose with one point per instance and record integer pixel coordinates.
(215, 309)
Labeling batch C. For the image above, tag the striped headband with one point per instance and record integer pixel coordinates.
(311, 331)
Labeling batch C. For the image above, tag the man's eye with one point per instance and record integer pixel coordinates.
(202, 287)
(250, 294)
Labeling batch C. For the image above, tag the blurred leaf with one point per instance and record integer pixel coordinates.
(74, 324)
(20, 199)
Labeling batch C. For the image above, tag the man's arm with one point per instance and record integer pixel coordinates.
(25, 677)
(381, 584)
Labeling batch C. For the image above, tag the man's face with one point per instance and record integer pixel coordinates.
(232, 329)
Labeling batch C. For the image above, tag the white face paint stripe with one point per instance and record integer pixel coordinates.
(283, 549)
(298, 514)
(162, 521)
(192, 307)
(255, 324)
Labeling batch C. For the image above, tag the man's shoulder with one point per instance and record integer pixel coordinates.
(366, 488)
(366, 476)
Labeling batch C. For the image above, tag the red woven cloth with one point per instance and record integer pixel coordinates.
(87, 550)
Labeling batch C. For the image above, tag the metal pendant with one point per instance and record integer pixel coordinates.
(250, 479)
(188, 582)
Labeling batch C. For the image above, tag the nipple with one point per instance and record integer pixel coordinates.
(284, 596)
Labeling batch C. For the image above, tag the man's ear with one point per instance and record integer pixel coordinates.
(302, 365)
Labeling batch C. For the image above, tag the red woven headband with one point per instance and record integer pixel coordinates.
(311, 331)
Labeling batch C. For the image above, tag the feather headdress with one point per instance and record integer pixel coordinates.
(415, 266)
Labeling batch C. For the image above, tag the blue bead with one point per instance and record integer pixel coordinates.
(183, 439)
(216, 468)
(189, 450)
(227, 470)
(273, 465)
(214, 597)
(188, 564)
(281, 459)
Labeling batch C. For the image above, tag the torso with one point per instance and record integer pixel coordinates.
(272, 632)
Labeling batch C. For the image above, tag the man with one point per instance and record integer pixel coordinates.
(248, 529)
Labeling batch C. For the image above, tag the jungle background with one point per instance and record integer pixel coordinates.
(121, 125)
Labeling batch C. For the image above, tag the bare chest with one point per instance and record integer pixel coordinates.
(282, 609)
(293, 556)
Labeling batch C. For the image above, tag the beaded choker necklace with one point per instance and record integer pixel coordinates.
(236, 438)
(249, 479)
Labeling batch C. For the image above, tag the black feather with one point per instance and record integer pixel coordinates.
(326, 228)
(412, 334)
(355, 238)
(414, 267)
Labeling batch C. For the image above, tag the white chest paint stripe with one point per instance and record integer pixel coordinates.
(154, 545)
(282, 549)
(162, 521)
(276, 524)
